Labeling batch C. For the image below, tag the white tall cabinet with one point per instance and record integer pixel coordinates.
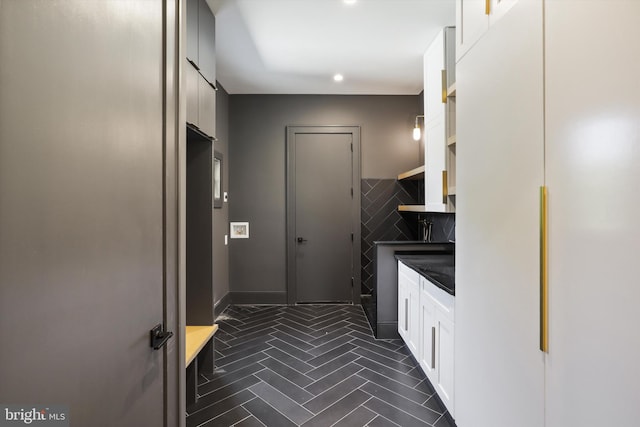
(499, 368)
(547, 95)
(593, 175)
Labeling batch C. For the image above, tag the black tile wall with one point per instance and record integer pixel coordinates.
(444, 226)
(381, 220)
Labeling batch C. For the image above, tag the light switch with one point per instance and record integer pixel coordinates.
(226, 239)
(225, 197)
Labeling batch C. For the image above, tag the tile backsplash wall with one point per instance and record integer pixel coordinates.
(381, 221)
(444, 226)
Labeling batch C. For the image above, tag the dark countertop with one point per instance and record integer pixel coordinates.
(439, 269)
(412, 242)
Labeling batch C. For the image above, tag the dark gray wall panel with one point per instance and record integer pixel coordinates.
(257, 166)
(81, 208)
(199, 230)
(221, 216)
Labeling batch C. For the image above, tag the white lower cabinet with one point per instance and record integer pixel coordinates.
(444, 358)
(408, 308)
(426, 324)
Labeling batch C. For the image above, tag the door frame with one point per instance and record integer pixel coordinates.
(291, 244)
(173, 179)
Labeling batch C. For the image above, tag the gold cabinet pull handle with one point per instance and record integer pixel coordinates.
(444, 86)
(445, 187)
(487, 7)
(544, 273)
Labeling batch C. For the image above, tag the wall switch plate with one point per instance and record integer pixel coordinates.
(226, 239)
(225, 197)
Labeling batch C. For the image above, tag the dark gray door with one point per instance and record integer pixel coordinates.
(81, 209)
(323, 221)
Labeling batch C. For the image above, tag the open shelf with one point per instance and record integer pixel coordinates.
(413, 174)
(412, 208)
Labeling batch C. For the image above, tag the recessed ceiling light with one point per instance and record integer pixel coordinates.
(349, 1)
(338, 77)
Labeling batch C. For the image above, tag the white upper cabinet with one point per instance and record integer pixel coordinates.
(499, 8)
(439, 76)
(433, 66)
(471, 23)
(473, 18)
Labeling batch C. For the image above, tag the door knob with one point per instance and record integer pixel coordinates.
(301, 240)
(159, 337)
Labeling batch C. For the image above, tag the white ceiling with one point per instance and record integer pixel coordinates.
(296, 46)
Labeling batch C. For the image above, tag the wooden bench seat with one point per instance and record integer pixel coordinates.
(196, 338)
(198, 341)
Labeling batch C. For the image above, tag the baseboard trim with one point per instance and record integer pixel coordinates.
(258, 298)
(221, 305)
(387, 331)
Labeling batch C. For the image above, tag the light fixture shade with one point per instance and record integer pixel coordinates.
(416, 133)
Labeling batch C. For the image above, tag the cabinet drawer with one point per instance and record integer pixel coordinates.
(444, 301)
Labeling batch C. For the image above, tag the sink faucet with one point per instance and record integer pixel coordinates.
(427, 227)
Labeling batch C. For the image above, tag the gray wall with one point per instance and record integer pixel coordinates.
(257, 169)
(221, 216)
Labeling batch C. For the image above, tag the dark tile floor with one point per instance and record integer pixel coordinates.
(311, 365)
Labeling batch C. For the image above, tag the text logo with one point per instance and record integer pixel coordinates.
(34, 415)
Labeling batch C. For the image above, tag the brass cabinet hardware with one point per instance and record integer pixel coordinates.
(544, 273)
(487, 7)
(444, 86)
(445, 187)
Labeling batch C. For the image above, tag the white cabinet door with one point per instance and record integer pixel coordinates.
(499, 8)
(445, 359)
(428, 327)
(403, 303)
(592, 148)
(434, 125)
(432, 68)
(499, 170)
(409, 308)
(472, 20)
(471, 23)
(439, 115)
(435, 161)
(415, 338)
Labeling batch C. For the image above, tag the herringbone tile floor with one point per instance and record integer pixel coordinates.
(311, 365)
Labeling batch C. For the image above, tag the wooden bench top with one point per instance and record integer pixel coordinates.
(196, 338)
